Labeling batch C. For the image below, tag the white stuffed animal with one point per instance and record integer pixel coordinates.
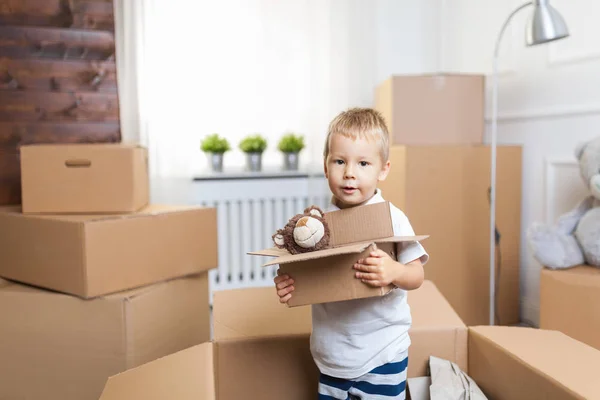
(575, 239)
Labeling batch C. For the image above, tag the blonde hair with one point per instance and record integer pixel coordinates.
(360, 123)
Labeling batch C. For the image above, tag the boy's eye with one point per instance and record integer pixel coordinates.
(363, 163)
(339, 162)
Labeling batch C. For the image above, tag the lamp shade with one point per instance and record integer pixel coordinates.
(545, 24)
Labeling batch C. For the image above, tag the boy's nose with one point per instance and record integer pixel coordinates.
(348, 172)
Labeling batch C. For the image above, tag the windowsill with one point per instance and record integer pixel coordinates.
(266, 173)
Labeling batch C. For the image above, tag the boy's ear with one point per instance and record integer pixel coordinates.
(325, 167)
(385, 170)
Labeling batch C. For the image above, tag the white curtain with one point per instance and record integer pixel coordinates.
(190, 68)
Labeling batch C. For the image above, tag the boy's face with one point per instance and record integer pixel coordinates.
(353, 168)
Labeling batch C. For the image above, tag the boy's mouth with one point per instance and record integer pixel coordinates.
(348, 189)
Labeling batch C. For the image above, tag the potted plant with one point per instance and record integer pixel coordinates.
(291, 145)
(253, 145)
(215, 146)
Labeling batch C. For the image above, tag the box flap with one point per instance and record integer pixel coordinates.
(527, 363)
(290, 258)
(359, 224)
(186, 375)
(436, 330)
(272, 252)
(254, 312)
(430, 309)
(284, 257)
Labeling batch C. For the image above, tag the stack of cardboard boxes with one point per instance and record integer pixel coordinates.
(261, 349)
(96, 279)
(440, 178)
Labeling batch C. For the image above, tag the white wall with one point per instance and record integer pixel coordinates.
(381, 38)
(548, 102)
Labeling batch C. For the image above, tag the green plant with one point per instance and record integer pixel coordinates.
(215, 144)
(291, 143)
(253, 144)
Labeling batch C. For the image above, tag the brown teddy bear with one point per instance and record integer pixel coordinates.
(304, 232)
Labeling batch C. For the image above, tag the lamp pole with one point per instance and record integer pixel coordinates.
(545, 25)
(494, 134)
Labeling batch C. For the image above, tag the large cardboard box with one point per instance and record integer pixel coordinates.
(433, 109)
(570, 302)
(92, 255)
(256, 311)
(60, 347)
(444, 191)
(507, 362)
(84, 178)
(327, 275)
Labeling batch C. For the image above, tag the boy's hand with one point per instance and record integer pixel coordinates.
(284, 286)
(379, 269)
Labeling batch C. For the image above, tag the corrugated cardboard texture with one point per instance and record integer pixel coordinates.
(272, 368)
(56, 346)
(454, 211)
(359, 224)
(433, 109)
(254, 312)
(84, 178)
(570, 302)
(186, 375)
(92, 255)
(436, 330)
(331, 279)
(525, 363)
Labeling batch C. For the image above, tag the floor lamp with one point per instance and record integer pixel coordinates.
(544, 25)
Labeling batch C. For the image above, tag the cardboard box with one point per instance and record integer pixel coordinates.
(93, 255)
(252, 312)
(327, 275)
(507, 362)
(526, 363)
(60, 347)
(433, 109)
(84, 178)
(570, 302)
(444, 191)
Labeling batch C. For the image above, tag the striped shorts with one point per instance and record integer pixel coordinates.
(386, 382)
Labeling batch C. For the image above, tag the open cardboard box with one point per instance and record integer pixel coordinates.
(261, 351)
(326, 275)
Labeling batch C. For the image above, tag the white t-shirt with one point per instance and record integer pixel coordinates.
(350, 338)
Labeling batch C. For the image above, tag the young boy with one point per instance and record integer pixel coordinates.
(361, 346)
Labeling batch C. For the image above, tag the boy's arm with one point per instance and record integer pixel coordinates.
(410, 275)
(379, 269)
